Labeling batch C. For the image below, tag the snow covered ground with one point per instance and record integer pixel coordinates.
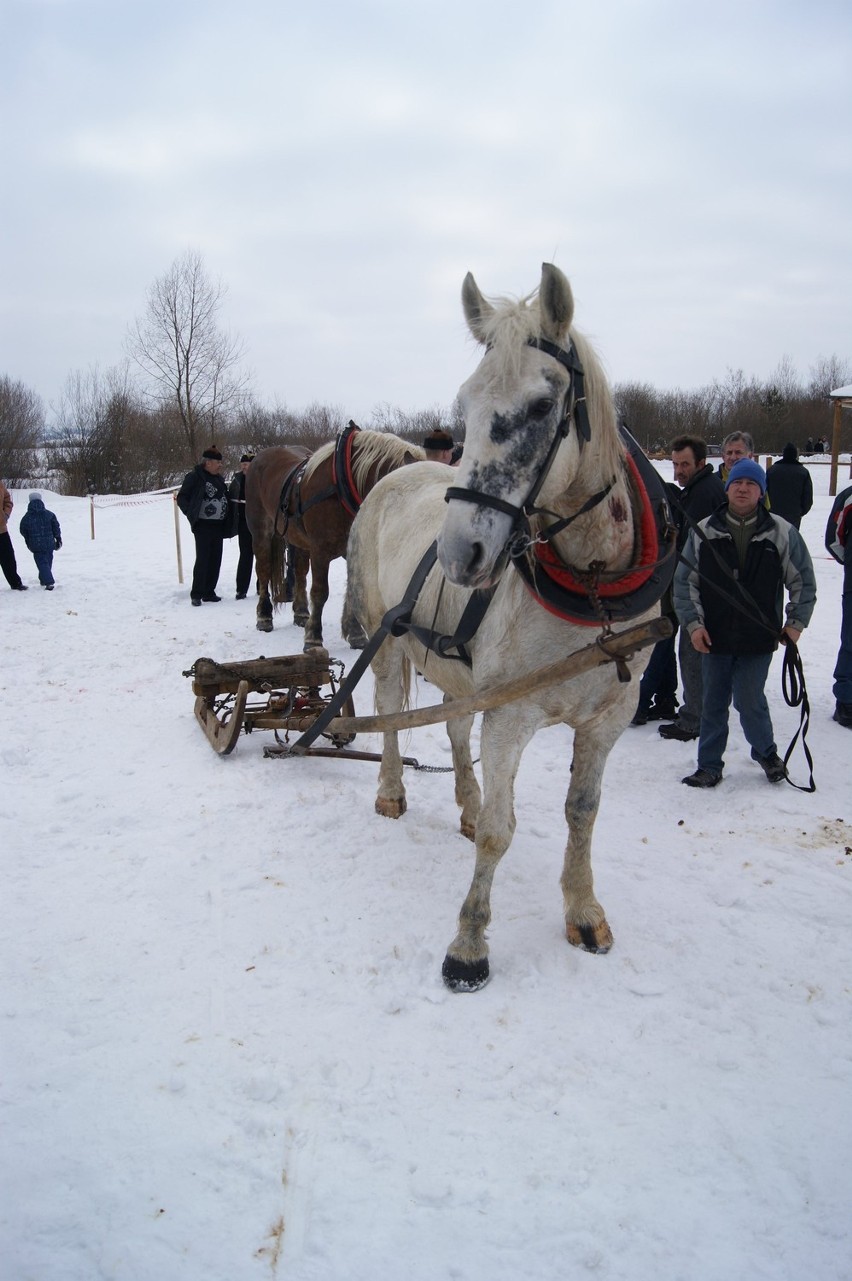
(226, 1049)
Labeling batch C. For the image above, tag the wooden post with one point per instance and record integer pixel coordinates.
(177, 539)
(835, 449)
(92, 515)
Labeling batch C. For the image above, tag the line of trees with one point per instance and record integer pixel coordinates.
(140, 425)
(783, 409)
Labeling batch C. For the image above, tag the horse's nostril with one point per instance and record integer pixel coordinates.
(477, 555)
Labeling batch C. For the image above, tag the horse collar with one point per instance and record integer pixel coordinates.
(583, 598)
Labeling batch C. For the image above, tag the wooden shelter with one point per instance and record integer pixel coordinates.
(842, 398)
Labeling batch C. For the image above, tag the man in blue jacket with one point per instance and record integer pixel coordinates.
(729, 595)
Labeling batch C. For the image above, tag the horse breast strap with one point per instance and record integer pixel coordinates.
(591, 598)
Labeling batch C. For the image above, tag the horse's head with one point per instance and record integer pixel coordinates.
(517, 408)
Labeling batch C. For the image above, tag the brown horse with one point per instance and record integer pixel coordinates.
(309, 501)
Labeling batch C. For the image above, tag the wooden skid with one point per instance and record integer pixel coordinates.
(222, 735)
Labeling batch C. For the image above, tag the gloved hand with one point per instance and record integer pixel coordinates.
(57, 543)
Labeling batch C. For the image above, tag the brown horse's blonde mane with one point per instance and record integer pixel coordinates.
(369, 448)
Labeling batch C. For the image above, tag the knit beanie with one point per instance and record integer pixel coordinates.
(747, 469)
(247, 458)
(35, 495)
(791, 454)
(212, 453)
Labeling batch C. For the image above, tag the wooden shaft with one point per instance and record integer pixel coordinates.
(622, 645)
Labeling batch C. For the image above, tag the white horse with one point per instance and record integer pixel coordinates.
(529, 448)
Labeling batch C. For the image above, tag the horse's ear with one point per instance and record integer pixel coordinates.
(476, 309)
(408, 458)
(556, 303)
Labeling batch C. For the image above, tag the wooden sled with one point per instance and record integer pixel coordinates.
(286, 694)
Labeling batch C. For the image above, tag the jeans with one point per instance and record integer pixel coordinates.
(843, 670)
(691, 668)
(742, 676)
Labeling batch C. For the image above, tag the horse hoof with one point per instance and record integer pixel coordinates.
(391, 808)
(464, 976)
(301, 620)
(310, 645)
(591, 938)
(357, 642)
(264, 624)
(468, 830)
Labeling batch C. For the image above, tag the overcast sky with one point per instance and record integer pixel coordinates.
(341, 165)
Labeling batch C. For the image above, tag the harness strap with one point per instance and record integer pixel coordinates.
(572, 363)
(394, 623)
(468, 625)
(575, 410)
(291, 483)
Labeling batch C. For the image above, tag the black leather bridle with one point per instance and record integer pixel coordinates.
(576, 411)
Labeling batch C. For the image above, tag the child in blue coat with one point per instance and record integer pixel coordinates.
(42, 535)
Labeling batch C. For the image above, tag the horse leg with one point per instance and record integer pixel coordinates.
(349, 625)
(301, 563)
(505, 734)
(585, 920)
(468, 795)
(319, 595)
(263, 613)
(392, 672)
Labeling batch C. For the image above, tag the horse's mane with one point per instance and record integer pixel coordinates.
(509, 327)
(369, 448)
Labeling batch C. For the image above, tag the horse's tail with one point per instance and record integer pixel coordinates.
(278, 568)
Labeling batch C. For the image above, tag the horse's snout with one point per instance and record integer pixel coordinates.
(470, 545)
(467, 564)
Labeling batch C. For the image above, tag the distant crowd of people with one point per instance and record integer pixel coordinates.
(739, 548)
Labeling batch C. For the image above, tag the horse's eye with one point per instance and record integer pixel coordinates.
(541, 408)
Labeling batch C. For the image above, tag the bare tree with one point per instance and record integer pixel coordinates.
(21, 426)
(191, 364)
(829, 373)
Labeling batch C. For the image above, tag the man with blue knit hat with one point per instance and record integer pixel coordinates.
(729, 595)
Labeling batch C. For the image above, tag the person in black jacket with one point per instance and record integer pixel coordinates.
(790, 488)
(701, 492)
(237, 495)
(203, 499)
